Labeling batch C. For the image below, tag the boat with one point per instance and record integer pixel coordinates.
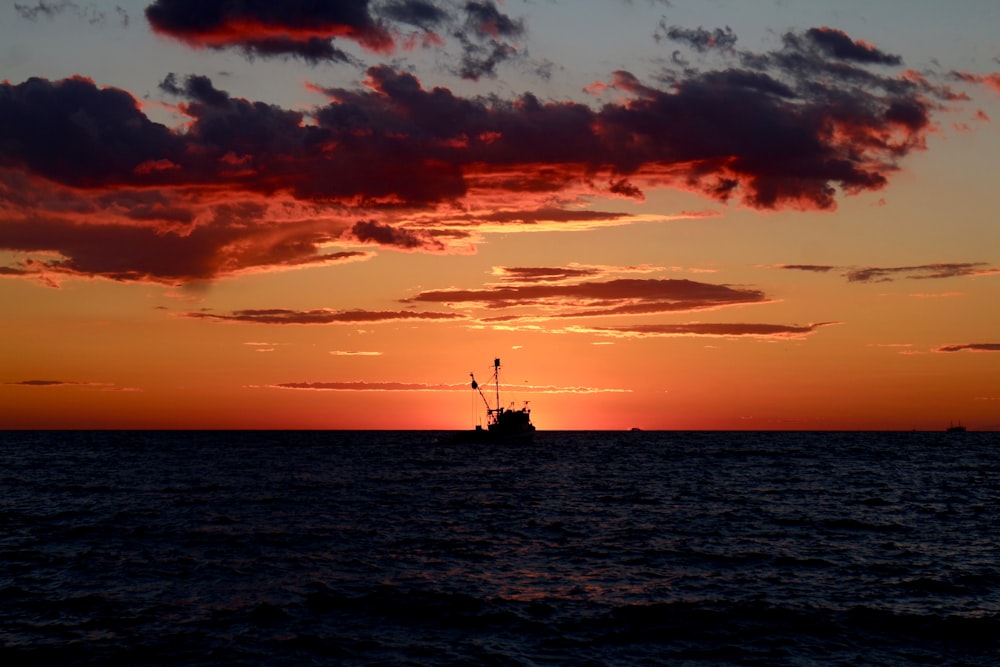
(503, 424)
(955, 428)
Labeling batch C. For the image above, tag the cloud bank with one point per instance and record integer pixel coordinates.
(243, 185)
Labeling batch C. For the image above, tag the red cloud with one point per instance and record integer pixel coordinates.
(625, 296)
(83, 169)
(321, 316)
(294, 27)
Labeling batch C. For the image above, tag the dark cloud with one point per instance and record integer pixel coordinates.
(970, 347)
(301, 28)
(790, 128)
(540, 215)
(837, 44)
(484, 19)
(420, 13)
(699, 38)
(816, 268)
(370, 231)
(73, 132)
(309, 29)
(41, 383)
(724, 133)
(143, 253)
(624, 296)
(322, 316)
(50, 9)
(715, 329)
(920, 272)
(195, 87)
(876, 274)
(312, 50)
(488, 38)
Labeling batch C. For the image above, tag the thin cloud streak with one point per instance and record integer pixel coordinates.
(411, 386)
(874, 274)
(970, 347)
(610, 297)
(53, 384)
(718, 330)
(321, 316)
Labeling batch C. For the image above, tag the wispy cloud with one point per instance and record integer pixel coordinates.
(875, 274)
(98, 386)
(321, 316)
(970, 347)
(414, 386)
(721, 330)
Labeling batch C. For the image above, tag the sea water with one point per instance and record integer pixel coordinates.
(584, 548)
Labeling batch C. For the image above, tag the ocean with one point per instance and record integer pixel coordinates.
(584, 548)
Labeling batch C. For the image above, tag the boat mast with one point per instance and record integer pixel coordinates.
(496, 375)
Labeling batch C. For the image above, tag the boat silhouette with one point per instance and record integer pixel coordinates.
(503, 424)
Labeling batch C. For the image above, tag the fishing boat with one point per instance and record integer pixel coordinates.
(503, 424)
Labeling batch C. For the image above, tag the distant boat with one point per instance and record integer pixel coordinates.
(955, 428)
(508, 424)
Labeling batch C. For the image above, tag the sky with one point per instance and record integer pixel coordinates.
(683, 214)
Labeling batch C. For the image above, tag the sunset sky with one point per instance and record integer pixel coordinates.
(694, 214)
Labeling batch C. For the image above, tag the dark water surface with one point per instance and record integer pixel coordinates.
(299, 548)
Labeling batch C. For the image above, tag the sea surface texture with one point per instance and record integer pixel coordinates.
(387, 548)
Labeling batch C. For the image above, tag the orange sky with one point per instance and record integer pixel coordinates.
(663, 215)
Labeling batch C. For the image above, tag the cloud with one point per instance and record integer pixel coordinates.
(532, 274)
(726, 330)
(354, 353)
(888, 274)
(42, 383)
(52, 8)
(321, 316)
(302, 28)
(836, 44)
(970, 347)
(623, 296)
(145, 253)
(370, 386)
(699, 39)
(573, 272)
(309, 29)
(245, 185)
(486, 38)
(817, 268)
(920, 272)
(371, 231)
(99, 386)
(464, 386)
